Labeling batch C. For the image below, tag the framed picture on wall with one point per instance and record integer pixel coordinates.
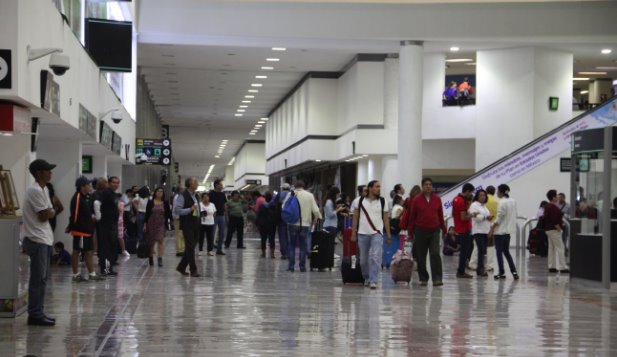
(86, 164)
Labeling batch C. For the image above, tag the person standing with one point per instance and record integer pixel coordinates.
(369, 220)
(187, 208)
(217, 196)
(38, 240)
(480, 226)
(208, 211)
(399, 191)
(282, 226)
(157, 217)
(141, 203)
(81, 227)
(298, 231)
(331, 212)
(491, 203)
(553, 221)
(566, 210)
(107, 225)
(425, 223)
(266, 222)
(462, 226)
(128, 219)
(177, 231)
(504, 224)
(235, 217)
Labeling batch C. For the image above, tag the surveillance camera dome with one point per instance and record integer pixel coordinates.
(116, 117)
(59, 63)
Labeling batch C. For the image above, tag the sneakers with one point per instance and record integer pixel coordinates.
(125, 253)
(94, 277)
(500, 276)
(464, 276)
(210, 254)
(200, 253)
(373, 286)
(79, 279)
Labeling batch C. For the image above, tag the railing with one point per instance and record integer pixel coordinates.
(527, 228)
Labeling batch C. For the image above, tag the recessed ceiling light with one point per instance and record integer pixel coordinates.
(241, 110)
(249, 96)
(261, 77)
(258, 126)
(266, 119)
(238, 114)
(459, 60)
(592, 73)
(272, 59)
(606, 51)
(580, 79)
(454, 49)
(256, 85)
(243, 106)
(251, 133)
(216, 156)
(261, 122)
(246, 101)
(279, 49)
(584, 91)
(225, 141)
(267, 68)
(253, 90)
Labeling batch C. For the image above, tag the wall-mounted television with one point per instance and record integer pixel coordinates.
(86, 164)
(110, 43)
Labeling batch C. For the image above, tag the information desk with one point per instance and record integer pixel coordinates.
(586, 255)
(14, 269)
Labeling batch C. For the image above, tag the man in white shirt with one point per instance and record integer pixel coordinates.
(299, 231)
(368, 226)
(38, 240)
(362, 192)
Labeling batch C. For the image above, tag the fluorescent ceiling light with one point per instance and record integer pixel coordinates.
(606, 51)
(267, 68)
(592, 73)
(279, 49)
(253, 90)
(264, 119)
(454, 49)
(251, 133)
(225, 141)
(272, 59)
(231, 162)
(243, 106)
(261, 77)
(580, 79)
(317, 160)
(607, 68)
(256, 85)
(584, 91)
(241, 110)
(258, 125)
(470, 64)
(261, 122)
(217, 157)
(249, 96)
(246, 101)
(238, 114)
(453, 60)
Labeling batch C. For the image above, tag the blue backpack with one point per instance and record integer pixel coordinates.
(290, 213)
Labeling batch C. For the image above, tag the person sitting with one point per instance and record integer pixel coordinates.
(62, 257)
(451, 244)
(449, 95)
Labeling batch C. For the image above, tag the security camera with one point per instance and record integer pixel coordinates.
(59, 63)
(116, 117)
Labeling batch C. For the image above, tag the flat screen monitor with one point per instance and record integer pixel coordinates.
(110, 43)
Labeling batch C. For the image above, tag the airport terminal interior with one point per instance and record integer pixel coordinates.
(308, 177)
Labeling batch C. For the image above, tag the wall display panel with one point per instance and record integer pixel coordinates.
(87, 122)
(50, 93)
(460, 89)
(106, 136)
(110, 43)
(153, 151)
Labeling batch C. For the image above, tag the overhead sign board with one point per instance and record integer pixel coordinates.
(5, 69)
(153, 151)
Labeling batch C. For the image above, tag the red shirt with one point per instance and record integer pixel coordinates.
(260, 201)
(426, 215)
(552, 217)
(459, 204)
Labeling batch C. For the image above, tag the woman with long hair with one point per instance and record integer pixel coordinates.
(480, 226)
(504, 224)
(331, 211)
(158, 215)
(208, 210)
(141, 204)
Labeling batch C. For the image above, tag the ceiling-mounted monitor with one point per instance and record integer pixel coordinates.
(110, 44)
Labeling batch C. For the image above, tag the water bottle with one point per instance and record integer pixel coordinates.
(353, 262)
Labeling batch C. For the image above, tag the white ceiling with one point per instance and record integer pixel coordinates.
(199, 58)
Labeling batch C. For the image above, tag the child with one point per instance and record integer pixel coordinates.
(450, 244)
(62, 257)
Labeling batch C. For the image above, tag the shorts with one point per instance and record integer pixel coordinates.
(85, 246)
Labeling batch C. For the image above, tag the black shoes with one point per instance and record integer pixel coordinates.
(565, 271)
(42, 321)
(160, 261)
(553, 270)
(515, 275)
(195, 275)
(179, 254)
(464, 276)
(242, 247)
(500, 276)
(183, 272)
(151, 261)
(303, 270)
(220, 253)
(291, 270)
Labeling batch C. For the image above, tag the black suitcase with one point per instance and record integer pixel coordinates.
(322, 250)
(537, 243)
(350, 265)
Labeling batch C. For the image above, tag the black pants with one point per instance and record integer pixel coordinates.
(267, 234)
(236, 224)
(129, 226)
(208, 233)
(191, 236)
(106, 234)
(466, 248)
(481, 242)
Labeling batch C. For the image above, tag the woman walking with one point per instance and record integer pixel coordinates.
(480, 226)
(331, 211)
(157, 217)
(141, 203)
(208, 210)
(504, 224)
(266, 222)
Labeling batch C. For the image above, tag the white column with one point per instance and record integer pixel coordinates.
(362, 172)
(410, 111)
(389, 176)
(374, 168)
(390, 93)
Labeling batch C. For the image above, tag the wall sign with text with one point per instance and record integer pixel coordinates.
(153, 151)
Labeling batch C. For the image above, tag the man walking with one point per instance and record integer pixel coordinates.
(187, 209)
(217, 196)
(282, 226)
(462, 227)
(38, 240)
(553, 218)
(298, 231)
(369, 220)
(177, 231)
(425, 223)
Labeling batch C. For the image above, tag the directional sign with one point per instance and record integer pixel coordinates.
(5, 69)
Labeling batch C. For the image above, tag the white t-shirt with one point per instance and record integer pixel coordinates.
(375, 213)
(35, 201)
(211, 209)
(142, 203)
(396, 210)
(479, 224)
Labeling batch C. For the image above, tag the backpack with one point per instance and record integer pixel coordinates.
(266, 216)
(290, 212)
(383, 204)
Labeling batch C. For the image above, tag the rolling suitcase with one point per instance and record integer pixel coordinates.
(389, 250)
(402, 265)
(350, 264)
(537, 243)
(322, 250)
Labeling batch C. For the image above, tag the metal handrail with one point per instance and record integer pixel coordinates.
(528, 223)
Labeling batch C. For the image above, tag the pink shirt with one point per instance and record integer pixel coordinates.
(260, 201)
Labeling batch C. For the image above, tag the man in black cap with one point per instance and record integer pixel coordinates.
(38, 240)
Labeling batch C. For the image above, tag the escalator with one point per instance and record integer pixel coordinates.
(534, 154)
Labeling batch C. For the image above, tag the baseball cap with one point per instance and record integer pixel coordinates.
(40, 165)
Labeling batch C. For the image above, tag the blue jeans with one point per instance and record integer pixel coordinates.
(297, 237)
(371, 251)
(40, 255)
(219, 221)
(282, 228)
(502, 247)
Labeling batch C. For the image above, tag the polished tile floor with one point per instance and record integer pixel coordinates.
(244, 305)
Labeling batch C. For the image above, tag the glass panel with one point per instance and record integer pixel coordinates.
(590, 191)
